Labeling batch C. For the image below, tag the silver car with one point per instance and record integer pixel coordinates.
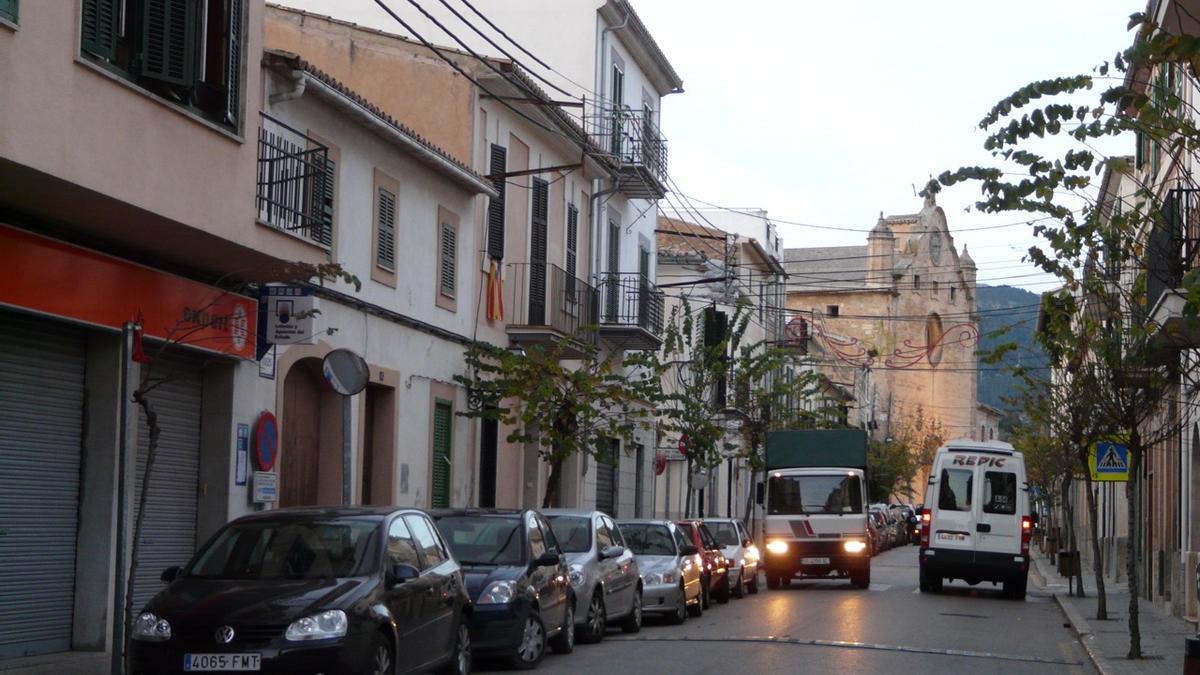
(603, 571)
(671, 568)
(738, 547)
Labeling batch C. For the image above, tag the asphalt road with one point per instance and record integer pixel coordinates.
(829, 626)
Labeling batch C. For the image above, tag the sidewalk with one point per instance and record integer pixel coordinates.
(1107, 642)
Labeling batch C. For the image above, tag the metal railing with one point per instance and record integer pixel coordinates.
(628, 136)
(1173, 246)
(545, 295)
(631, 299)
(295, 190)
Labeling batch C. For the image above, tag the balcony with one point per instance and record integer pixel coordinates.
(551, 308)
(295, 182)
(631, 141)
(1172, 249)
(631, 311)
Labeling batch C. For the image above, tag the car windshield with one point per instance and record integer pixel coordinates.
(573, 533)
(725, 533)
(287, 549)
(484, 540)
(835, 493)
(646, 539)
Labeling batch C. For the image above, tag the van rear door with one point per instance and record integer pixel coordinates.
(999, 522)
(953, 506)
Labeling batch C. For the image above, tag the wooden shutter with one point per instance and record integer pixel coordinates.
(233, 64)
(572, 240)
(385, 248)
(537, 252)
(440, 471)
(449, 260)
(98, 27)
(8, 10)
(169, 40)
(499, 164)
(323, 232)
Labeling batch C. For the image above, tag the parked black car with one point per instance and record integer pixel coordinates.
(311, 590)
(517, 579)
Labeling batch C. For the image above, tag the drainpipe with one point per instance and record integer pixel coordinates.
(300, 82)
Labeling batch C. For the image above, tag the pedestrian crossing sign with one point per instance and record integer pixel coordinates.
(1109, 461)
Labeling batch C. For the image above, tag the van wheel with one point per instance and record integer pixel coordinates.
(753, 585)
(1015, 587)
(929, 583)
(772, 581)
(861, 577)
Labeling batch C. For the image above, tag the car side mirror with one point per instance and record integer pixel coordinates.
(402, 573)
(689, 550)
(547, 559)
(747, 543)
(170, 574)
(612, 552)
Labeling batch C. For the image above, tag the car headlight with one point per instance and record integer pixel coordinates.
(328, 624)
(498, 593)
(576, 575)
(660, 578)
(777, 546)
(752, 554)
(151, 628)
(855, 546)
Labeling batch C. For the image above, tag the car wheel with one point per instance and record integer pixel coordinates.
(739, 591)
(564, 642)
(861, 577)
(753, 585)
(722, 594)
(697, 609)
(533, 643)
(596, 622)
(681, 609)
(381, 656)
(461, 663)
(772, 581)
(704, 591)
(633, 620)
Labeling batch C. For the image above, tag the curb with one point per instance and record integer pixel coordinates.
(1083, 632)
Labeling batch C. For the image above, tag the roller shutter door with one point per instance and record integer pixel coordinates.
(168, 534)
(41, 426)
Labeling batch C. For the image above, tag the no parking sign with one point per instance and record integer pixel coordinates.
(266, 441)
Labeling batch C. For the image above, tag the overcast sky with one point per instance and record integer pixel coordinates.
(829, 113)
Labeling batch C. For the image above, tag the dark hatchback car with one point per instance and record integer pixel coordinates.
(311, 590)
(518, 581)
(715, 574)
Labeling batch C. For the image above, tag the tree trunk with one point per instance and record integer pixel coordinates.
(1072, 539)
(1132, 489)
(151, 451)
(553, 484)
(1097, 563)
(687, 502)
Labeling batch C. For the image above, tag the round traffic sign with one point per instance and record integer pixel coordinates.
(266, 441)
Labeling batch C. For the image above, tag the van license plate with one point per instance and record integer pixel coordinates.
(951, 536)
(814, 561)
(193, 663)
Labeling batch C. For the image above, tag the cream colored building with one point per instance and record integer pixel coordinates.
(894, 321)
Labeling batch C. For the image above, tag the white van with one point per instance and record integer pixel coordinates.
(976, 524)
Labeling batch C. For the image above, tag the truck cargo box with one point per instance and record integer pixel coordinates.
(799, 448)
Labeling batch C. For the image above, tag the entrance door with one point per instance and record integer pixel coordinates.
(489, 440)
(443, 416)
(41, 426)
(606, 479)
(168, 535)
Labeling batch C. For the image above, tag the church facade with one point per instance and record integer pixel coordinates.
(894, 323)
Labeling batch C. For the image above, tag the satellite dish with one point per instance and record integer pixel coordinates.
(345, 371)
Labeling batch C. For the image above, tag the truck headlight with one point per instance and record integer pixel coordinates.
(855, 546)
(777, 546)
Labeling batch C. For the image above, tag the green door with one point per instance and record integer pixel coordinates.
(443, 413)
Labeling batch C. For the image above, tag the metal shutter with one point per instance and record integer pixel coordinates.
(495, 241)
(443, 414)
(606, 480)
(168, 534)
(537, 252)
(41, 427)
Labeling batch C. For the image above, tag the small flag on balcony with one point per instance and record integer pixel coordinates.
(495, 295)
(139, 354)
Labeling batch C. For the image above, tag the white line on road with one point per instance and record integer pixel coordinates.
(879, 587)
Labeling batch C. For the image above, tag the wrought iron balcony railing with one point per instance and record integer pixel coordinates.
(545, 297)
(1173, 246)
(631, 300)
(295, 181)
(630, 139)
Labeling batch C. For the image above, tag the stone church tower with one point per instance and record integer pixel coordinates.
(893, 323)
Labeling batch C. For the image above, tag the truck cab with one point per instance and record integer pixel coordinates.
(816, 525)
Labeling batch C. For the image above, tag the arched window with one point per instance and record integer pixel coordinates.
(933, 338)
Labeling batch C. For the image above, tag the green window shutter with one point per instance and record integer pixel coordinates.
(98, 27)
(169, 40)
(440, 471)
(449, 260)
(495, 228)
(8, 10)
(233, 62)
(1141, 151)
(385, 249)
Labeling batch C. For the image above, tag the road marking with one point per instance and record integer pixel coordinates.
(879, 587)
(771, 639)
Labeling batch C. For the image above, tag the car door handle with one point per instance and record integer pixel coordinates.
(983, 527)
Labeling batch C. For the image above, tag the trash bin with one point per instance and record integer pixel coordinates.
(1068, 563)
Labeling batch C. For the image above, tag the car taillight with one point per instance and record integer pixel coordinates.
(926, 524)
(1026, 534)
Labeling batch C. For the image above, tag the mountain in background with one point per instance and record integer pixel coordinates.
(1017, 308)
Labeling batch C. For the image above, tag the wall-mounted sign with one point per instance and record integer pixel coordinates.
(266, 487)
(1109, 461)
(266, 441)
(243, 451)
(290, 315)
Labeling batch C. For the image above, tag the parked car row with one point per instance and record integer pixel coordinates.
(891, 526)
(398, 590)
